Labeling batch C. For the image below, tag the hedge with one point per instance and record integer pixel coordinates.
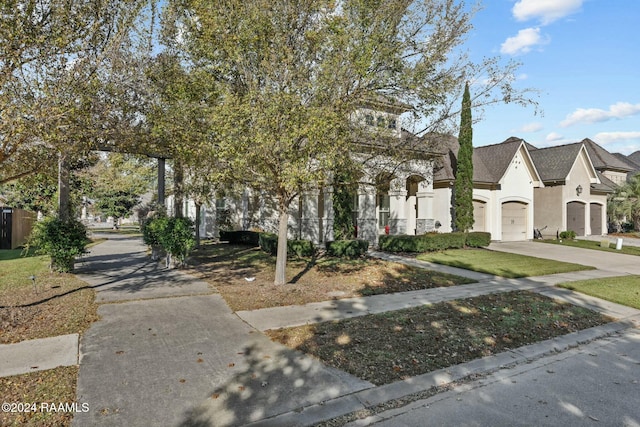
(478, 239)
(347, 248)
(268, 242)
(240, 237)
(432, 241)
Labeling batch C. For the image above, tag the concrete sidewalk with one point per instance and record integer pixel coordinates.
(38, 355)
(167, 349)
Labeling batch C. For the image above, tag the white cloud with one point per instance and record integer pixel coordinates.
(523, 41)
(545, 10)
(609, 137)
(595, 115)
(522, 76)
(531, 127)
(554, 136)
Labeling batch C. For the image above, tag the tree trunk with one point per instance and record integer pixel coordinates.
(198, 220)
(178, 189)
(161, 176)
(64, 207)
(281, 256)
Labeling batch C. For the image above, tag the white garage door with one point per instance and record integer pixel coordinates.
(514, 221)
(479, 215)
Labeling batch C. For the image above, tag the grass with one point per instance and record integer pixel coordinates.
(57, 304)
(500, 263)
(623, 290)
(393, 346)
(52, 386)
(588, 244)
(226, 267)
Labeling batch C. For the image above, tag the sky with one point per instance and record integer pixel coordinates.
(582, 57)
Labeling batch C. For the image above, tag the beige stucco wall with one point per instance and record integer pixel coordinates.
(549, 210)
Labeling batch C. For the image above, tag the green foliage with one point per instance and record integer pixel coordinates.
(151, 226)
(175, 235)
(463, 189)
(300, 248)
(478, 239)
(344, 190)
(116, 203)
(570, 234)
(422, 243)
(61, 240)
(347, 248)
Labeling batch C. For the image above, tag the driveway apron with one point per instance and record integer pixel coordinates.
(168, 351)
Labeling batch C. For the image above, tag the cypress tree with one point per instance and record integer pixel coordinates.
(463, 189)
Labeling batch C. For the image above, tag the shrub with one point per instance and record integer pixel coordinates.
(175, 235)
(422, 243)
(268, 242)
(347, 248)
(478, 239)
(150, 227)
(569, 235)
(61, 240)
(240, 237)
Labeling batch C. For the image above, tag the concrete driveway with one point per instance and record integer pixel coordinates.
(608, 261)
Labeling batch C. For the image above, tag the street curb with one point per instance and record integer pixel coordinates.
(403, 390)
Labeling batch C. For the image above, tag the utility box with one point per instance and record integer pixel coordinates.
(619, 244)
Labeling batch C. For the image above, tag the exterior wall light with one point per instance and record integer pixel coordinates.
(579, 190)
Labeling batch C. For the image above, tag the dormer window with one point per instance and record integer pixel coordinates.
(380, 121)
(392, 124)
(368, 119)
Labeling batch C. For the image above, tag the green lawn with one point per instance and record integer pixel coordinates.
(623, 290)
(500, 263)
(588, 244)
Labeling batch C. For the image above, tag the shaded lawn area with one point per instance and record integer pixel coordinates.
(59, 304)
(53, 386)
(500, 263)
(623, 290)
(393, 346)
(588, 244)
(226, 267)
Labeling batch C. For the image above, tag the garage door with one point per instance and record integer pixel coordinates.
(575, 217)
(596, 219)
(514, 221)
(479, 215)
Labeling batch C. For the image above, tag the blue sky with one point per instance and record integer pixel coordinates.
(582, 55)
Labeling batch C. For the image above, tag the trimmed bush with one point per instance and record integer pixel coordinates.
(240, 237)
(570, 235)
(478, 239)
(268, 242)
(347, 248)
(61, 240)
(422, 243)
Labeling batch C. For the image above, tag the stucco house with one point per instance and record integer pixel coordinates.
(504, 179)
(574, 196)
(392, 197)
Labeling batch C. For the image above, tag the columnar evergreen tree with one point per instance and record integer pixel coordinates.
(463, 190)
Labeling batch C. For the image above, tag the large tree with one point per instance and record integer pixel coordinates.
(290, 75)
(52, 57)
(463, 189)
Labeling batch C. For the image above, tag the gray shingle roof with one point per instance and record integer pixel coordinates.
(490, 162)
(604, 160)
(554, 163)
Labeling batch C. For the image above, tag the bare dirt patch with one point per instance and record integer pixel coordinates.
(393, 346)
(244, 276)
(45, 390)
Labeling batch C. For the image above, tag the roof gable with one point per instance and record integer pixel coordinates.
(555, 163)
(604, 160)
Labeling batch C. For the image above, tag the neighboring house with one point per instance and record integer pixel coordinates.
(574, 197)
(504, 179)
